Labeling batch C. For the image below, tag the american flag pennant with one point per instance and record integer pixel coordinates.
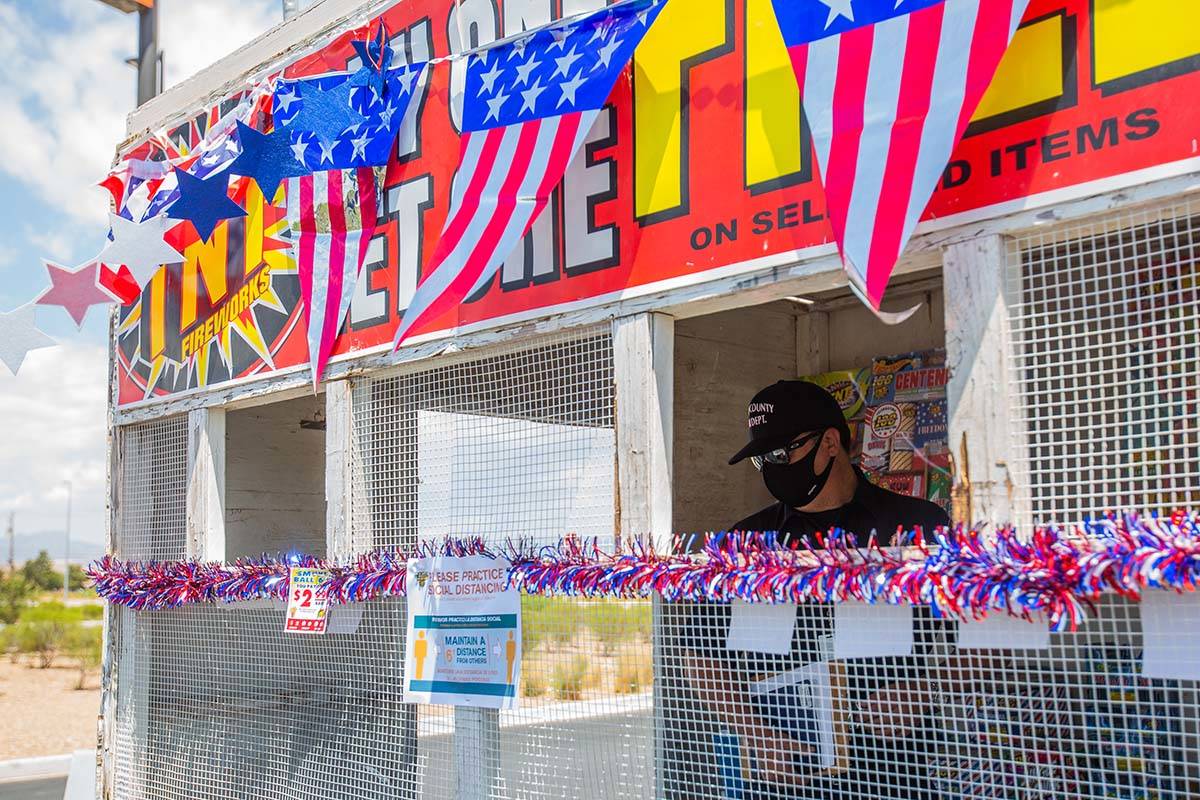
(343, 131)
(332, 217)
(888, 88)
(528, 104)
(336, 123)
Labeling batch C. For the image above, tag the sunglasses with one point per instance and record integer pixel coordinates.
(782, 455)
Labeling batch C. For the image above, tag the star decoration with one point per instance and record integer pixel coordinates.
(266, 157)
(18, 335)
(524, 70)
(204, 202)
(518, 48)
(284, 99)
(139, 246)
(375, 56)
(564, 62)
(74, 290)
(326, 151)
(406, 78)
(326, 112)
(360, 145)
(837, 9)
(529, 96)
(569, 88)
(494, 106)
(489, 77)
(605, 53)
(602, 27)
(560, 35)
(298, 150)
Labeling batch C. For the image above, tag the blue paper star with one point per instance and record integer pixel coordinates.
(204, 202)
(375, 56)
(326, 112)
(266, 157)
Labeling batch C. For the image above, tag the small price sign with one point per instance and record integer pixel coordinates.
(308, 600)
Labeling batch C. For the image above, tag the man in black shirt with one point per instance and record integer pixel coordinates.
(800, 441)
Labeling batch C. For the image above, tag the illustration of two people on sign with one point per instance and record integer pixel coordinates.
(421, 652)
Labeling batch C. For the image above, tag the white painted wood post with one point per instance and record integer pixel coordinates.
(643, 363)
(644, 373)
(985, 434)
(339, 464)
(477, 752)
(206, 484)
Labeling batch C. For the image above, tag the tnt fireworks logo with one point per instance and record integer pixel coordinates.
(226, 310)
(422, 578)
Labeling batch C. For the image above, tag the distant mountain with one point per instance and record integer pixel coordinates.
(28, 545)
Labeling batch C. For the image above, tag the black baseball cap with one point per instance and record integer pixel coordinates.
(786, 409)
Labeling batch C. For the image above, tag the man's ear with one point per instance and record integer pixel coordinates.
(831, 441)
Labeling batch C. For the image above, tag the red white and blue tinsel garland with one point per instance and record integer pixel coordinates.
(961, 573)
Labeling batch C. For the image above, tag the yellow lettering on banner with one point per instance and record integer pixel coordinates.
(773, 141)
(158, 314)
(203, 260)
(683, 35)
(1030, 72)
(255, 208)
(1132, 36)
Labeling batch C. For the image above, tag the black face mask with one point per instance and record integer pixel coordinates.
(796, 485)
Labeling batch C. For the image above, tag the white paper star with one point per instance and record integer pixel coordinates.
(529, 96)
(140, 246)
(837, 8)
(298, 149)
(18, 335)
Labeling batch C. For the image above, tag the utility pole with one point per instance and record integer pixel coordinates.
(148, 59)
(67, 550)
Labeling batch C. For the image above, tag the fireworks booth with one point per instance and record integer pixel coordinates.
(419, 427)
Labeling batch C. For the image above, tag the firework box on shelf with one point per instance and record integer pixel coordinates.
(896, 412)
(848, 387)
(908, 378)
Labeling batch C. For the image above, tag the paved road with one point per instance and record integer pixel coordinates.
(36, 789)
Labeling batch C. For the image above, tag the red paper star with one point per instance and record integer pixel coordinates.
(75, 290)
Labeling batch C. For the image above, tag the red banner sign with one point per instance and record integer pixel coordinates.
(701, 161)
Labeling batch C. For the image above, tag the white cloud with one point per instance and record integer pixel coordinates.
(191, 31)
(65, 88)
(64, 93)
(54, 417)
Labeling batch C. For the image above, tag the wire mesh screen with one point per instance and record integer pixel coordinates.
(221, 703)
(867, 702)
(152, 500)
(518, 443)
(1107, 363)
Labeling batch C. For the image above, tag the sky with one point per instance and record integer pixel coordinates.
(64, 93)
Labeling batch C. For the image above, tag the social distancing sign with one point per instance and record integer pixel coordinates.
(464, 633)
